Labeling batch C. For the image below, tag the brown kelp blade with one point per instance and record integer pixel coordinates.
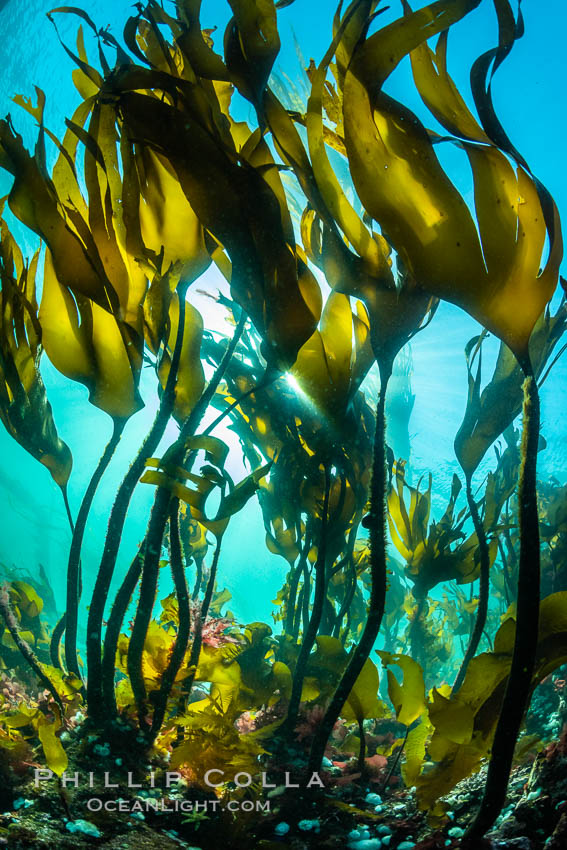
(24, 407)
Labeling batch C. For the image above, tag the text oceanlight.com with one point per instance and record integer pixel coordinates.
(166, 805)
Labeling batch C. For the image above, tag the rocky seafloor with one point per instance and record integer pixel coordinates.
(353, 815)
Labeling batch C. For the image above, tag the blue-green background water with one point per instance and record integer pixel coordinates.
(529, 97)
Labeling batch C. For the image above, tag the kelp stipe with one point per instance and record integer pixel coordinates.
(473, 406)
(519, 685)
(132, 577)
(378, 543)
(489, 414)
(484, 588)
(115, 527)
(24, 648)
(74, 580)
(312, 629)
(183, 633)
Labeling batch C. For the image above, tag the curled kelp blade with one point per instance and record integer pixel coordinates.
(408, 527)
(233, 497)
(251, 45)
(489, 413)
(88, 344)
(403, 186)
(323, 365)
(24, 407)
(439, 92)
(438, 551)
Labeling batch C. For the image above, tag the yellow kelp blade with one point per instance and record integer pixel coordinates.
(168, 223)
(408, 698)
(408, 524)
(403, 186)
(325, 667)
(196, 46)
(372, 248)
(439, 92)
(355, 21)
(87, 344)
(488, 414)
(105, 224)
(34, 201)
(55, 755)
(464, 724)
(231, 502)
(323, 365)
(190, 375)
(108, 213)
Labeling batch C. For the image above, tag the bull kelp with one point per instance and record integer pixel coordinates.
(239, 265)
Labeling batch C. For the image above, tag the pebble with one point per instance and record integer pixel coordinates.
(83, 826)
(308, 825)
(22, 803)
(383, 829)
(358, 835)
(406, 845)
(326, 762)
(282, 828)
(367, 844)
(456, 832)
(533, 795)
(373, 799)
(386, 840)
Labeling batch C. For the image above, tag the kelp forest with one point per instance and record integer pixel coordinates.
(407, 691)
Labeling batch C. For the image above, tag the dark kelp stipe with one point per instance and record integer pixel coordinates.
(153, 182)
